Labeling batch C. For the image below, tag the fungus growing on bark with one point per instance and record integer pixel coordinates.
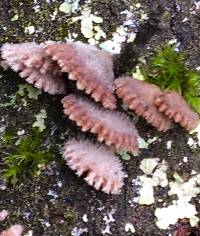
(102, 167)
(174, 106)
(112, 127)
(33, 64)
(139, 96)
(91, 68)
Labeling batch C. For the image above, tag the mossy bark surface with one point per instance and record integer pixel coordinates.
(54, 203)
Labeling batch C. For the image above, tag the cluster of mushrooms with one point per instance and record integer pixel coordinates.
(45, 65)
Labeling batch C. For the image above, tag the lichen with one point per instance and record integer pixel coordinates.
(40, 120)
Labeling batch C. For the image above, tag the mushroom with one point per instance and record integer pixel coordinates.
(91, 68)
(102, 167)
(112, 127)
(140, 96)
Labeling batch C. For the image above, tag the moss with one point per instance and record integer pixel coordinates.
(26, 156)
(167, 69)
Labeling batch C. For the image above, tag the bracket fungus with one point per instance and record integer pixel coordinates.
(33, 64)
(102, 167)
(139, 96)
(174, 106)
(91, 68)
(112, 127)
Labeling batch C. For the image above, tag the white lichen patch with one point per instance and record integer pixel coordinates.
(146, 193)
(129, 228)
(29, 29)
(78, 231)
(157, 177)
(191, 142)
(121, 35)
(85, 218)
(40, 120)
(145, 144)
(160, 175)
(182, 208)
(21, 132)
(108, 218)
(90, 26)
(185, 190)
(53, 15)
(111, 46)
(167, 216)
(169, 144)
(197, 4)
(147, 165)
(124, 33)
(152, 140)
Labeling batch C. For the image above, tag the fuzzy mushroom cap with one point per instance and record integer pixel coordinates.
(140, 96)
(174, 106)
(34, 65)
(103, 168)
(112, 127)
(91, 68)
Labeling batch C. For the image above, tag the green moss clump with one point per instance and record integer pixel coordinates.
(167, 69)
(27, 157)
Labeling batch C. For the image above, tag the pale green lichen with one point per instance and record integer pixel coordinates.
(184, 190)
(181, 208)
(143, 143)
(90, 26)
(146, 193)
(157, 177)
(11, 102)
(15, 17)
(147, 165)
(124, 155)
(31, 92)
(69, 6)
(40, 120)
(137, 74)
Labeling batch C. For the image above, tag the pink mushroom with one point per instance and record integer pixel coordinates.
(102, 168)
(112, 127)
(91, 68)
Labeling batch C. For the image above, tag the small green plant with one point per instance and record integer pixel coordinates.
(167, 69)
(26, 158)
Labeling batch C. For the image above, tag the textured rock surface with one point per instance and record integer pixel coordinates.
(54, 204)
